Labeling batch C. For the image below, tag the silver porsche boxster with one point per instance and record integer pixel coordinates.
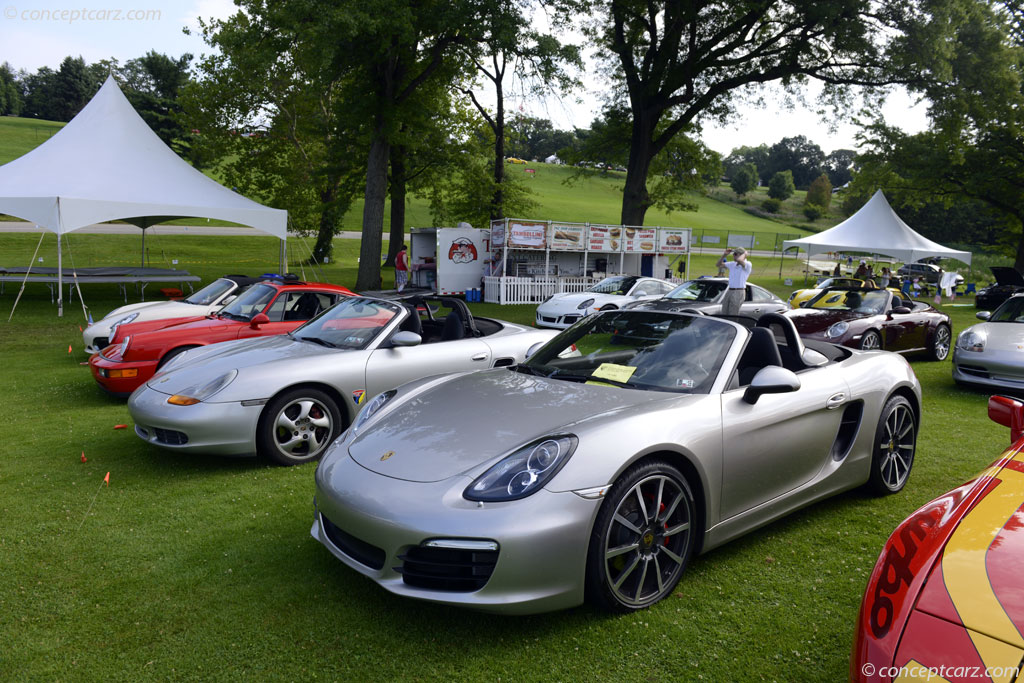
(287, 397)
(601, 465)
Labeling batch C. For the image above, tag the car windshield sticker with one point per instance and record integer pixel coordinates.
(685, 383)
(616, 373)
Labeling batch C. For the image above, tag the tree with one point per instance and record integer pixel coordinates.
(72, 88)
(10, 92)
(744, 180)
(820, 193)
(839, 166)
(800, 156)
(745, 155)
(781, 186)
(39, 99)
(677, 62)
(153, 85)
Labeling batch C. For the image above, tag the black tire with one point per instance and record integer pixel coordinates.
(609, 307)
(626, 578)
(171, 354)
(314, 420)
(871, 341)
(941, 341)
(895, 443)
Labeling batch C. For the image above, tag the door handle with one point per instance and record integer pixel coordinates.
(835, 401)
(479, 356)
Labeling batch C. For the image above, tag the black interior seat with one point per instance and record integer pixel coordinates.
(305, 308)
(412, 323)
(453, 328)
(761, 352)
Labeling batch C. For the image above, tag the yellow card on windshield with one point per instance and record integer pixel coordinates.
(616, 373)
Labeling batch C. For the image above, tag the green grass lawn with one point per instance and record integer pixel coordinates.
(191, 567)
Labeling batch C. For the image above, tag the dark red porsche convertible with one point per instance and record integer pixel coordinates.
(874, 319)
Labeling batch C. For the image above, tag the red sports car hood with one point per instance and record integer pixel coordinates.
(470, 419)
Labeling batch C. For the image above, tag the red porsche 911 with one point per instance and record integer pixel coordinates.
(271, 307)
(945, 600)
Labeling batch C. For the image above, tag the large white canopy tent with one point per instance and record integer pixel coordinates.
(876, 229)
(106, 164)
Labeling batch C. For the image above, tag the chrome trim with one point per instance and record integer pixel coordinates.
(460, 544)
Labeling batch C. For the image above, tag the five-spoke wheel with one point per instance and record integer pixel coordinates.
(297, 426)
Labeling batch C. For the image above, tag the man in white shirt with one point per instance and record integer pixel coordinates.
(739, 270)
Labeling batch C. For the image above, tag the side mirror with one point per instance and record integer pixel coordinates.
(803, 304)
(1008, 412)
(228, 299)
(533, 349)
(983, 315)
(903, 310)
(406, 338)
(639, 294)
(771, 380)
(257, 320)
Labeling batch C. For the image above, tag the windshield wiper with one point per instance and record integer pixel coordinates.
(589, 378)
(318, 340)
(527, 370)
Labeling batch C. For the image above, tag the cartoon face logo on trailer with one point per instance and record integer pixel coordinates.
(462, 251)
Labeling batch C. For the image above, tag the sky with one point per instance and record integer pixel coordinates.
(35, 34)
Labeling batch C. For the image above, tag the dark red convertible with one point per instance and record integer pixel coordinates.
(874, 319)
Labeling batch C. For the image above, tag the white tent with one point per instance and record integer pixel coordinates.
(876, 229)
(106, 164)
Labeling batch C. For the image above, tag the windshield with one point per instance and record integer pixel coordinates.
(639, 350)
(614, 285)
(211, 292)
(698, 290)
(352, 324)
(1010, 311)
(858, 301)
(251, 302)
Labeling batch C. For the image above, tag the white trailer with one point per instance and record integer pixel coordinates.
(448, 260)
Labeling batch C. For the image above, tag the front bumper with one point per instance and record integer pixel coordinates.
(103, 369)
(542, 540)
(1000, 369)
(215, 428)
(558, 321)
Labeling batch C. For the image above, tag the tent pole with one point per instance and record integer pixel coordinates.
(28, 271)
(142, 261)
(282, 257)
(60, 278)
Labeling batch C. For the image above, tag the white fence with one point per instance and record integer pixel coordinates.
(533, 290)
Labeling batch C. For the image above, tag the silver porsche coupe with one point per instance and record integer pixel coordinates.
(597, 468)
(287, 397)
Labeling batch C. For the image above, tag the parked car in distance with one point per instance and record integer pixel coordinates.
(562, 310)
(874, 319)
(1008, 282)
(288, 397)
(207, 300)
(801, 295)
(601, 465)
(929, 272)
(704, 295)
(944, 600)
(267, 308)
(991, 353)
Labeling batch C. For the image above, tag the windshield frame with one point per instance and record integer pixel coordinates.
(705, 285)
(247, 298)
(222, 292)
(368, 337)
(631, 279)
(1018, 302)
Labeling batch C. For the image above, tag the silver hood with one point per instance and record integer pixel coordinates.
(474, 418)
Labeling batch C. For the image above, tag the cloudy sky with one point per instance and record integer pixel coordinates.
(37, 33)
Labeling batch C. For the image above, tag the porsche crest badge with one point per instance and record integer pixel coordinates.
(386, 455)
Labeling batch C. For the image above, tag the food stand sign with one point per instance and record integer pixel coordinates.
(497, 233)
(640, 240)
(566, 237)
(527, 235)
(673, 241)
(604, 238)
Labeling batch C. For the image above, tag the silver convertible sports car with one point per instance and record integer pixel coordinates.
(991, 353)
(287, 397)
(601, 465)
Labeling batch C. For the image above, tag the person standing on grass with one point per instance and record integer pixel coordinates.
(739, 270)
(401, 268)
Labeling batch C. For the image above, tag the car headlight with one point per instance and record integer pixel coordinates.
(127, 319)
(837, 330)
(124, 345)
(586, 303)
(372, 407)
(523, 472)
(198, 393)
(971, 340)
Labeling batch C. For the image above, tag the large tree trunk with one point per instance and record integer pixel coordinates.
(1018, 262)
(329, 216)
(368, 277)
(397, 237)
(498, 201)
(635, 198)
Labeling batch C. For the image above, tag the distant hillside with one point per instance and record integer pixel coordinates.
(595, 199)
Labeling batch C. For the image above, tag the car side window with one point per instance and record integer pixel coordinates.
(760, 295)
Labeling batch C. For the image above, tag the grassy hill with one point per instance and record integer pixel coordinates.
(595, 199)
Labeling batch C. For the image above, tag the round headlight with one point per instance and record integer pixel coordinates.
(586, 303)
(524, 471)
(127, 319)
(971, 340)
(372, 407)
(837, 330)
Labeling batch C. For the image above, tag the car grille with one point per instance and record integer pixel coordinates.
(973, 372)
(447, 569)
(170, 437)
(360, 551)
(548, 319)
(570, 319)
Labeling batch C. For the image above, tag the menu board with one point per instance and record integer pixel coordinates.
(604, 238)
(497, 233)
(566, 237)
(673, 240)
(527, 234)
(640, 240)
